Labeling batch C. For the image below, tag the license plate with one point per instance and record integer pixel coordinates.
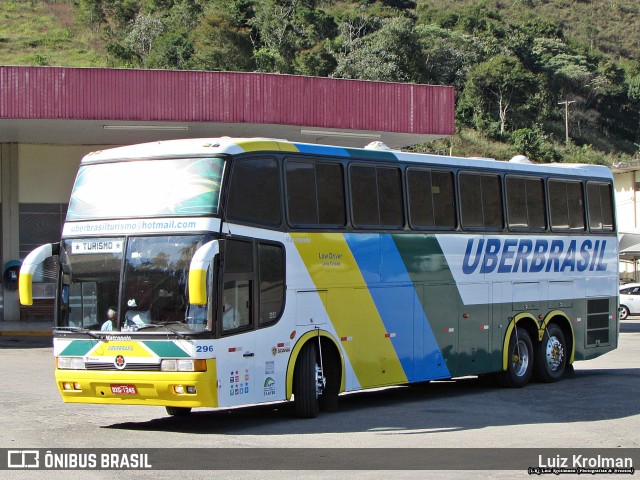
(124, 389)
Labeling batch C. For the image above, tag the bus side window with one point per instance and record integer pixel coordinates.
(271, 261)
(254, 192)
(376, 196)
(238, 286)
(566, 205)
(315, 193)
(236, 305)
(480, 201)
(600, 204)
(525, 203)
(431, 199)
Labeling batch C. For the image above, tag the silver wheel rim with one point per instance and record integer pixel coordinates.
(622, 312)
(554, 353)
(520, 358)
(320, 380)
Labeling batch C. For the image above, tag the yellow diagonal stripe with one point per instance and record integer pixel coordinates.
(350, 307)
(261, 145)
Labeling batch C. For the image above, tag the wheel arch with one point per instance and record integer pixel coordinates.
(524, 320)
(327, 341)
(561, 319)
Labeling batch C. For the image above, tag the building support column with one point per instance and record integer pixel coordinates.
(10, 222)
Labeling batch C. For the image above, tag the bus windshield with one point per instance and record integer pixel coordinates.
(154, 273)
(146, 188)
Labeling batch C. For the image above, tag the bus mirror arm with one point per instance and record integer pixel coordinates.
(198, 270)
(29, 267)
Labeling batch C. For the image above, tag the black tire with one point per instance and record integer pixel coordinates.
(332, 371)
(623, 312)
(521, 357)
(551, 357)
(178, 411)
(569, 370)
(305, 389)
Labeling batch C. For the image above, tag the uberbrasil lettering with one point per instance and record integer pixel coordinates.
(534, 256)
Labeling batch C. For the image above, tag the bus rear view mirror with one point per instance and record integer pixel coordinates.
(29, 267)
(198, 270)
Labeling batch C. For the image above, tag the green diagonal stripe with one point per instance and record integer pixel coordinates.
(166, 349)
(78, 348)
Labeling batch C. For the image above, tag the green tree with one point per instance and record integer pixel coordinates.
(448, 55)
(500, 87)
(282, 28)
(316, 61)
(529, 142)
(172, 50)
(390, 54)
(91, 12)
(223, 44)
(223, 36)
(143, 34)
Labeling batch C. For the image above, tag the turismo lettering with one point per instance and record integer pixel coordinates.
(533, 256)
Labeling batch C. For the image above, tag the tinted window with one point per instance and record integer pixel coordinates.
(236, 305)
(492, 201)
(525, 203)
(566, 205)
(254, 191)
(271, 258)
(238, 257)
(376, 196)
(480, 201)
(330, 184)
(470, 201)
(315, 193)
(302, 202)
(237, 292)
(431, 199)
(390, 197)
(364, 197)
(600, 206)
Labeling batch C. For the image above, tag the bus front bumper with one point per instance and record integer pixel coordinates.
(168, 389)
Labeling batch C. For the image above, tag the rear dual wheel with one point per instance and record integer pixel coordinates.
(520, 360)
(551, 357)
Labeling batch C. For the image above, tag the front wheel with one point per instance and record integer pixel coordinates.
(551, 358)
(307, 382)
(520, 360)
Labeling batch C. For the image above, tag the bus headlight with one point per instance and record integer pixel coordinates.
(182, 365)
(70, 363)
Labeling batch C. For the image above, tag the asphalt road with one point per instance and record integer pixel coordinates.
(595, 407)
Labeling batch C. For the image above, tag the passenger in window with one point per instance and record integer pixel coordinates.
(111, 319)
(229, 320)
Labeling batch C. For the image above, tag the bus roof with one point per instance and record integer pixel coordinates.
(231, 146)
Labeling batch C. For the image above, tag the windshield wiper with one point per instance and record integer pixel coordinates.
(77, 330)
(166, 325)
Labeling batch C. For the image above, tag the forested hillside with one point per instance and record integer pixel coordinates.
(512, 62)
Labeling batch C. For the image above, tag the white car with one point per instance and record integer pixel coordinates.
(629, 300)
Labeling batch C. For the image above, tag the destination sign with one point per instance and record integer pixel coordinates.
(94, 246)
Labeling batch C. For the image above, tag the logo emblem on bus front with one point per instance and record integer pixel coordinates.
(120, 362)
